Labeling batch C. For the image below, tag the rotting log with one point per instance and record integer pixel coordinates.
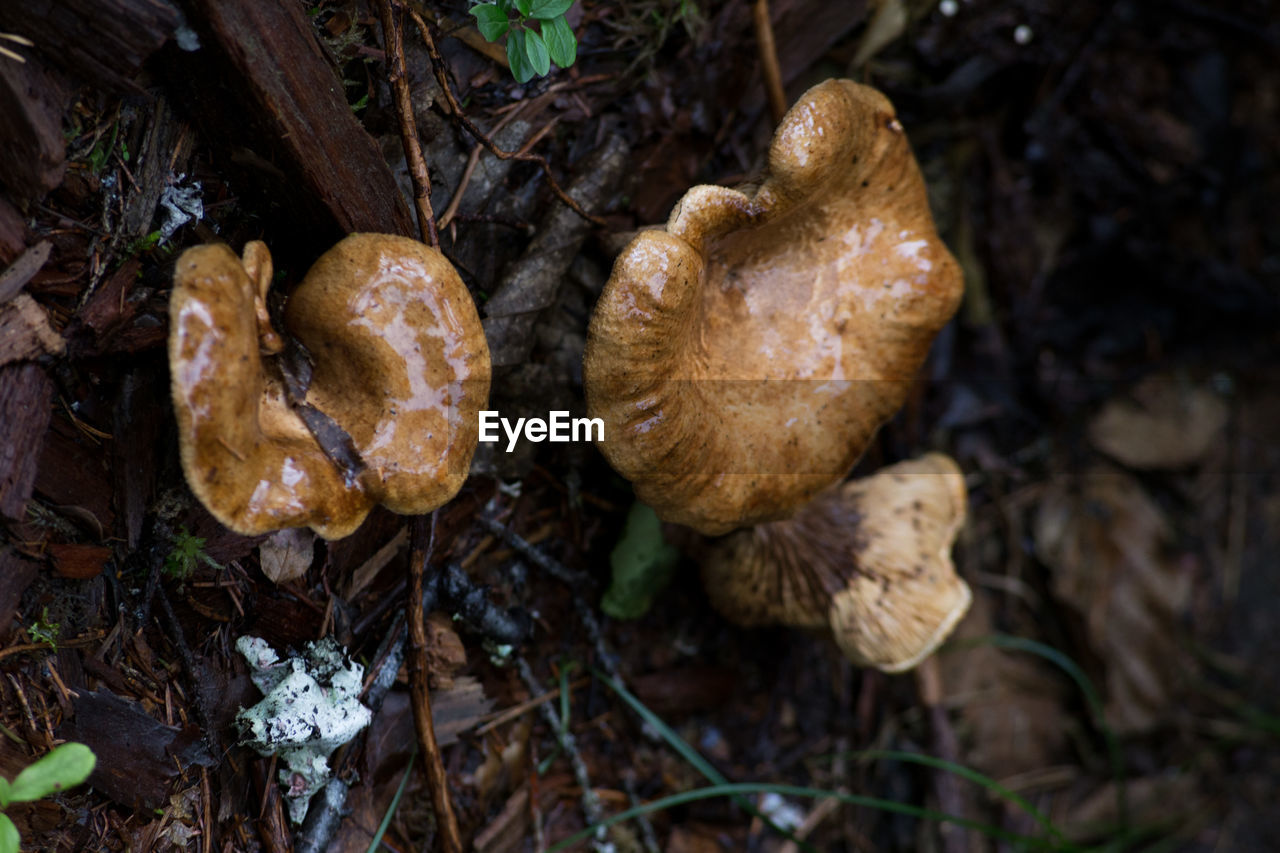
(276, 67)
(32, 150)
(100, 42)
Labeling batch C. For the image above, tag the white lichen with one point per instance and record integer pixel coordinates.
(310, 708)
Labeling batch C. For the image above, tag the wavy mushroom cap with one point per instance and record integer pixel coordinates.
(743, 358)
(401, 366)
(401, 363)
(869, 561)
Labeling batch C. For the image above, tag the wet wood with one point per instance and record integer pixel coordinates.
(79, 562)
(25, 333)
(32, 150)
(101, 42)
(16, 574)
(291, 90)
(137, 755)
(73, 475)
(138, 432)
(25, 397)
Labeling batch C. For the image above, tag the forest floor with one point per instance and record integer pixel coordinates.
(1105, 173)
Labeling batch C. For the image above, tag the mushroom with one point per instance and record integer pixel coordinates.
(742, 358)
(401, 369)
(868, 560)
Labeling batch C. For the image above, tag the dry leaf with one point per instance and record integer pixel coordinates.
(1108, 546)
(363, 576)
(1096, 816)
(287, 554)
(888, 22)
(1163, 423)
(446, 655)
(1010, 708)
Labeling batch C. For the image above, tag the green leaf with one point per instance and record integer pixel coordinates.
(516, 56)
(64, 767)
(9, 837)
(545, 10)
(524, 7)
(642, 564)
(560, 40)
(4, 793)
(490, 20)
(536, 49)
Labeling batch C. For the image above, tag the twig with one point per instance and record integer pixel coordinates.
(179, 638)
(540, 558)
(452, 208)
(437, 64)
(450, 839)
(328, 810)
(393, 38)
(590, 800)
(950, 799)
(769, 60)
(576, 581)
(472, 161)
(499, 718)
(646, 826)
(62, 644)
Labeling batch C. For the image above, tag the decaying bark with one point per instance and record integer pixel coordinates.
(287, 86)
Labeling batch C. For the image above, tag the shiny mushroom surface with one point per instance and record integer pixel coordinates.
(400, 365)
(743, 357)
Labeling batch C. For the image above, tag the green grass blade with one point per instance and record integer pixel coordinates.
(395, 804)
(737, 790)
(971, 775)
(693, 757)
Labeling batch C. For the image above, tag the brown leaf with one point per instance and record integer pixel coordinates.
(80, 562)
(1108, 544)
(1011, 717)
(446, 656)
(1096, 817)
(287, 554)
(1163, 423)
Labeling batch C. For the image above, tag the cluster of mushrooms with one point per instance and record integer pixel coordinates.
(742, 359)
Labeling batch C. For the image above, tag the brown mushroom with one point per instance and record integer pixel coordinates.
(742, 359)
(868, 560)
(400, 365)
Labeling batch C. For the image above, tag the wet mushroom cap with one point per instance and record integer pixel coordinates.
(400, 365)
(868, 560)
(246, 455)
(400, 361)
(743, 358)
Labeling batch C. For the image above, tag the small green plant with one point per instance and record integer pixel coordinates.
(187, 552)
(44, 631)
(143, 244)
(62, 767)
(530, 52)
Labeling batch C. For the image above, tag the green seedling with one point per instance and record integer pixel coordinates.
(44, 631)
(63, 767)
(530, 52)
(187, 552)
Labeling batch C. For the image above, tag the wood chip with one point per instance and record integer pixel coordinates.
(25, 333)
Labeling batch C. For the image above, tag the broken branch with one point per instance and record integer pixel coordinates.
(398, 76)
